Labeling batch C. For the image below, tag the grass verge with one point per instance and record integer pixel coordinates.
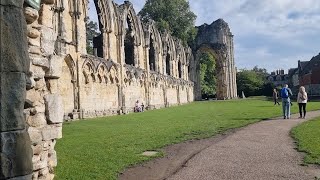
(101, 148)
(308, 136)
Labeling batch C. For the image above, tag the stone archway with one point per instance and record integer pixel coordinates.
(68, 88)
(217, 40)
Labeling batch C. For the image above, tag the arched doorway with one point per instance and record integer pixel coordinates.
(67, 87)
(217, 40)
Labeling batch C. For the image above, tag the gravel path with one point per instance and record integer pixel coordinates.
(263, 150)
(259, 151)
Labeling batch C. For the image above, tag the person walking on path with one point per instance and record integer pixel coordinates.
(286, 102)
(302, 101)
(275, 97)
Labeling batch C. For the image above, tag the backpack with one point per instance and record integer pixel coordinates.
(284, 93)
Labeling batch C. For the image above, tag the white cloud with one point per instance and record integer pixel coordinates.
(268, 33)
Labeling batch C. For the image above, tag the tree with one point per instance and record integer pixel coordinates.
(207, 75)
(254, 82)
(91, 32)
(249, 82)
(174, 16)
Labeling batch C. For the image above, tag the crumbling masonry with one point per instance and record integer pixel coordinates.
(47, 75)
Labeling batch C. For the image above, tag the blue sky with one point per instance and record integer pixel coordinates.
(273, 34)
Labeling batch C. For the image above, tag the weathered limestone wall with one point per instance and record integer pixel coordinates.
(56, 37)
(216, 39)
(183, 95)
(157, 96)
(44, 104)
(15, 146)
(172, 96)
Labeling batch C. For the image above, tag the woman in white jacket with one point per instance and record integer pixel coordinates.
(302, 101)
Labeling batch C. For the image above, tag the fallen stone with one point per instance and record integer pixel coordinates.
(149, 153)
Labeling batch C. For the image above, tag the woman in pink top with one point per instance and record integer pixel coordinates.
(302, 101)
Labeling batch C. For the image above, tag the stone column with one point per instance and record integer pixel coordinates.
(15, 145)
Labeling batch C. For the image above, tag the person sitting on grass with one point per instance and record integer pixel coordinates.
(137, 107)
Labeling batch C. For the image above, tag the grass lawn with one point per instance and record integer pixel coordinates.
(308, 136)
(103, 147)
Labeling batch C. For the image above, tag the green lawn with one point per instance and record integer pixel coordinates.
(308, 136)
(103, 147)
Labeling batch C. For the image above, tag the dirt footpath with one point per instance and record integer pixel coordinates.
(263, 150)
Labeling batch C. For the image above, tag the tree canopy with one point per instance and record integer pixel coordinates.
(172, 15)
(254, 82)
(207, 75)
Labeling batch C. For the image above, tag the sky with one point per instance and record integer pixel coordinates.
(272, 34)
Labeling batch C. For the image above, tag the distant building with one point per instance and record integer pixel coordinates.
(307, 74)
(278, 78)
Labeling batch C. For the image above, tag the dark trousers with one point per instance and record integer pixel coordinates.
(276, 101)
(302, 106)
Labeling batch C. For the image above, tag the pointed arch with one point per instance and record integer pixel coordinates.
(153, 41)
(132, 33)
(67, 85)
(88, 71)
(169, 52)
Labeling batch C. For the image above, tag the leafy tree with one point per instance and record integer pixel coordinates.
(207, 75)
(254, 82)
(249, 82)
(172, 15)
(91, 32)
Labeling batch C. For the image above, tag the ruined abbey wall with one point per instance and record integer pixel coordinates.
(217, 40)
(64, 82)
(54, 79)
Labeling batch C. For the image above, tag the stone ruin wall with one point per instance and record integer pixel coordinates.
(217, 40)
(113, 80)
(54, 36)
(15, 147)
(63, 82)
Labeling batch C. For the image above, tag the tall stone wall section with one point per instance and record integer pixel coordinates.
(53, 35)
(15, 148)
(217, 40)
(108, 84)
(43, 106)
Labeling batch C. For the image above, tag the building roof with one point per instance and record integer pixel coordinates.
(307, 66)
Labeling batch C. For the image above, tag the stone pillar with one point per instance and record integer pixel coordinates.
(15, 146)
(44, 106)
